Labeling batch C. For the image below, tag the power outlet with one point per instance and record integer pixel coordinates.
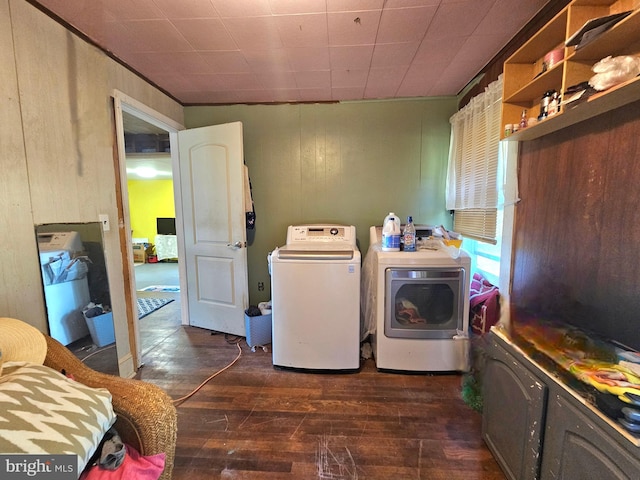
(260, 286)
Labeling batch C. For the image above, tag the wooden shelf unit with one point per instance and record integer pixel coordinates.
(525, 83)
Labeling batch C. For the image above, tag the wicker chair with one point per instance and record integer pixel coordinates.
(147, 418)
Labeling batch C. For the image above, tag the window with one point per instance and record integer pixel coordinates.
(493, 260)
(472, 177)
(482, 185)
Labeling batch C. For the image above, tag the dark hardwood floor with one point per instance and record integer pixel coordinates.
(255, 422)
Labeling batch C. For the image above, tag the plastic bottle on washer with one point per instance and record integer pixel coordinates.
(409, 235)
(391, 233)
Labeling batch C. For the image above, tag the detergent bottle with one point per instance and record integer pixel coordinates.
(391, 233)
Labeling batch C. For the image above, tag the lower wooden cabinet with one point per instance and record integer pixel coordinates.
(575, 447)
(538, 428)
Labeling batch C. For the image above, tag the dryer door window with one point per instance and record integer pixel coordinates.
(424, 303)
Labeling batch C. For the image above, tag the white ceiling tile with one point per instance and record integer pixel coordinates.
(321, 79)
(212, 51)
(255, 96)
(226, 61)
(347, 93)
(282, 7)
(241, 8)
(167, 62)
(411, 3)
(254, 33)
(353, 5)
(277, 80)
(354, 57)
(453, 76)
(420, 78)
(186, 8)
(275, 60)
(285, 95)
(205, 33)
(391, 54)
(384, 82)
(208, 82)
(308, 58)
(156, 36)
(348, 78)
(404, 24)
(121, 40)
(315, 94)
(387, 76)
(238, 81)
(353, 28)
(502, 16)
(173, 82)
(458, 18)
(134, 10)
(439, 51)
(88, 17)
(303, 30)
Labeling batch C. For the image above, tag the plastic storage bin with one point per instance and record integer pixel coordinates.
(101, 329)
(258, 330)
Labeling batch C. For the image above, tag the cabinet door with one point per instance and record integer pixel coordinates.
(575, 447)
(513, 414)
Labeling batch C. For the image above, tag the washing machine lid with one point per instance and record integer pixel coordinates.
(322, 237)
(312, 252)
(59, 241)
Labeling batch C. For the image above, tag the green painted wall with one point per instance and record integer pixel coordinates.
(149, 199)
(348, 163)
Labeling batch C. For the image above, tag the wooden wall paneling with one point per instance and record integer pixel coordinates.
(49, 107)
(58, 135)
(21, 295)
(618, 284)
(348, 163)
(579, 193)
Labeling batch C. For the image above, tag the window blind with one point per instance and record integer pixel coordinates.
(472, 190)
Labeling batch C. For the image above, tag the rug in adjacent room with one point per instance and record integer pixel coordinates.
(161, 288)
(149, 305)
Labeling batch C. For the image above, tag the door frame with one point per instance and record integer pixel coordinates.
(125, 103)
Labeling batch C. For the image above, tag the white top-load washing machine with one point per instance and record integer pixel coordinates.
(418, 306)
(66, 287)
(315, 296)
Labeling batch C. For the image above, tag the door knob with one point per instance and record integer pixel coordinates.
(235, 245)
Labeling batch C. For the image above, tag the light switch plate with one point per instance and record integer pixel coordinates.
(104, 220)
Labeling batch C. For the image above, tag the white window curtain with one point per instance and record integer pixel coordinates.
(472, 190)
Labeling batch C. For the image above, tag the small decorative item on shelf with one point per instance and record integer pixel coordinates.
(523, 119)
(545, 104)
(508, 129)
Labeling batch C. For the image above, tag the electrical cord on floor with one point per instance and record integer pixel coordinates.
(232, 339)
(99, 350)
(181, 400)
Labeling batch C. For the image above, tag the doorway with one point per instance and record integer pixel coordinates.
(208, 170)
(152, 217)
(146, 142)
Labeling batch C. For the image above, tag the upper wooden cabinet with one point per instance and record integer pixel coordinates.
(526, 80)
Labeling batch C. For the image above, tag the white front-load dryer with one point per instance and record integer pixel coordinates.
(421, 308)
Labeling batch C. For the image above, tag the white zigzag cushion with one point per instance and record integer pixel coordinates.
(44, 412)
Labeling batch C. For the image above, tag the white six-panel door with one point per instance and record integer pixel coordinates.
(213, 214)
